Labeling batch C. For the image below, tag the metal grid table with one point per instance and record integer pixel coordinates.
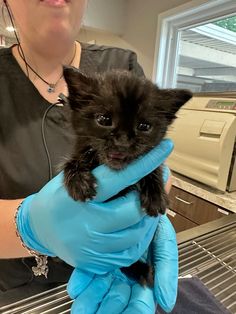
(212, 258)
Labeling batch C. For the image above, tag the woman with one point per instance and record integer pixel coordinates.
(34, 136)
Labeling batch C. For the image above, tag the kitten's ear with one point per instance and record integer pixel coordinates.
(174, 100)
(81, 88)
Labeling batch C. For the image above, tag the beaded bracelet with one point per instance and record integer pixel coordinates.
(41, 267)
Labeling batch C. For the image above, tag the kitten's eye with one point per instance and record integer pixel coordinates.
(144, 126)
(104, 120)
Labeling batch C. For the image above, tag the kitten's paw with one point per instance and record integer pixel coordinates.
(141, 272)
(81, 186)
(147, 278)
(154, 204)
(164, 203)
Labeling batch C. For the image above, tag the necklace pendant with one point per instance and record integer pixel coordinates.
(51, 88)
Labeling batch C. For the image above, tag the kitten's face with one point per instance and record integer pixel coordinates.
(119, 115)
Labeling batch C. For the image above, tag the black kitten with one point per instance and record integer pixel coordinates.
(117, 117)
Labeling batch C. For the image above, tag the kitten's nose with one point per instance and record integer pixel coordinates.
(122, 141)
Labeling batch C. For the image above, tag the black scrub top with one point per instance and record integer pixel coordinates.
(24, 166)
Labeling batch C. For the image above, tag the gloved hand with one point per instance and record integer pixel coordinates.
(91, 235)
(164, 253)
(111, 293)
(114, 293)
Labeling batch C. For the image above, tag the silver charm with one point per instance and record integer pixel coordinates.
(42, 267)
(51, 88)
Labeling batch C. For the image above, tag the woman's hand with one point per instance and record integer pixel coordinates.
(164, 254)
(118, 293)
(114, 293)
(111, 293)
(96, 236)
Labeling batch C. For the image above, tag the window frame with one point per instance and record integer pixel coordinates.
(171, 22)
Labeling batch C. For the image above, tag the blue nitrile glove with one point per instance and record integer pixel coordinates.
(111, 293)
(164, 251)
(91, 235)
(115, 295)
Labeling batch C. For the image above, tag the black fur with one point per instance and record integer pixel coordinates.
(117, 117)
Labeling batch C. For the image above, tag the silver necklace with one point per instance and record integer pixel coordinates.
(51, 86)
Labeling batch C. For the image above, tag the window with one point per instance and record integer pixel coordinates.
(207, 57)
(196, 47)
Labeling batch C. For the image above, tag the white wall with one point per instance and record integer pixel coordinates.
(103, 38)
(141, 27)
(106, 15)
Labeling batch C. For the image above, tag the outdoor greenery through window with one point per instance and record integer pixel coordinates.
(228, 23)
(207, 57)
